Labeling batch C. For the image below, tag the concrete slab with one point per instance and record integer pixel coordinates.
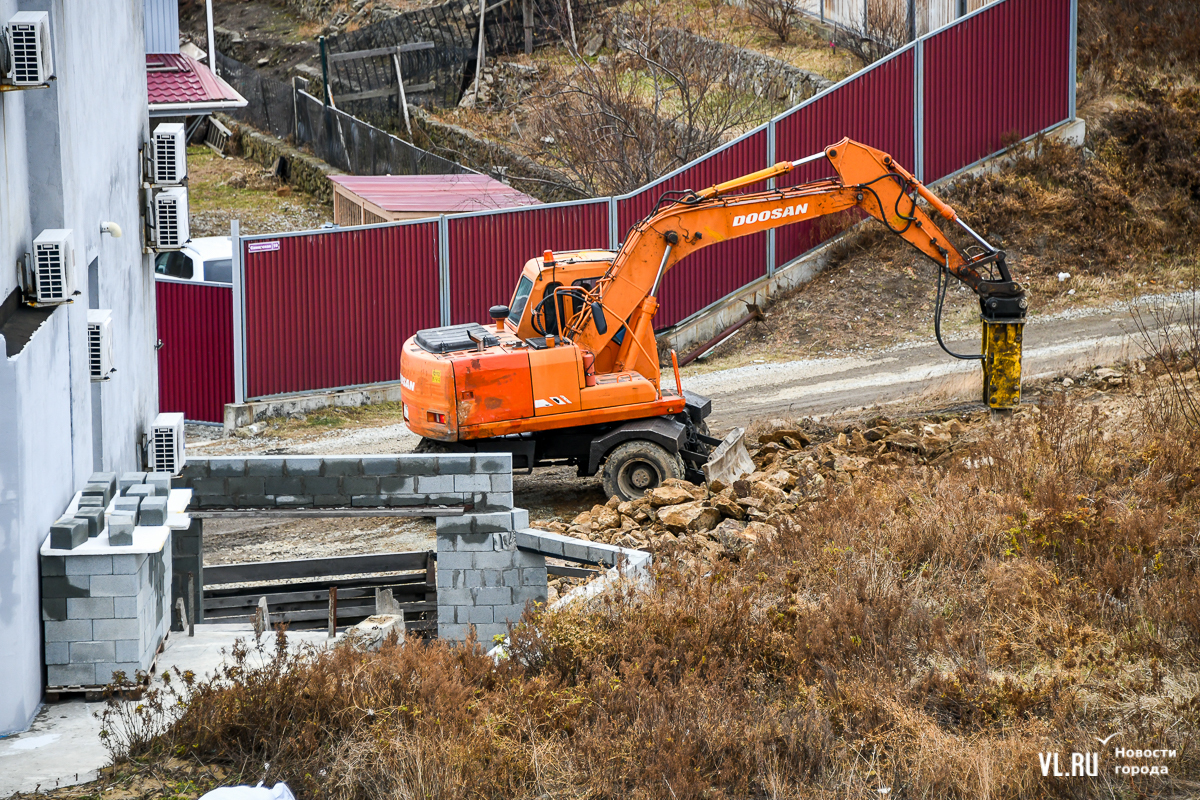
(62, 747)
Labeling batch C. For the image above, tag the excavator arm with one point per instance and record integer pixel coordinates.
(615, 320)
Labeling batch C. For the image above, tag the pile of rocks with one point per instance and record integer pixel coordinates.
(703, 523)
(502, 86)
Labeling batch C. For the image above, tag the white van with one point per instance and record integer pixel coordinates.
(208, 259)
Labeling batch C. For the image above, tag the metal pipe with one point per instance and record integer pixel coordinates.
(755, 314)
(808, 159)
(975, 235)
(212, 45)
(662, 266)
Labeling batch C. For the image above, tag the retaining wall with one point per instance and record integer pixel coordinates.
(478, 482)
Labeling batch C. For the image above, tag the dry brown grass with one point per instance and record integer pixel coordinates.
(928, 628)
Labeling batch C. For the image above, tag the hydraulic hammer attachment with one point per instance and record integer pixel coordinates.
(1003, 327)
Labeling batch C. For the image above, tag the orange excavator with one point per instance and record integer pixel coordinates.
(569, 372)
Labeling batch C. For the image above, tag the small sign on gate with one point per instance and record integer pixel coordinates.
(262, 247)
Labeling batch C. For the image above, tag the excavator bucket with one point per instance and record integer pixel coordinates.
(1002, 364)
(730, 461)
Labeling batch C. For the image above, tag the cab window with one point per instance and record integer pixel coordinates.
(219, 270)
(520, 299)
(173, 263)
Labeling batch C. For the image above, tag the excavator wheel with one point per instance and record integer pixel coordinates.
(430, 447)
(635, 467)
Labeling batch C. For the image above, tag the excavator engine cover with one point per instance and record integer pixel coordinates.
(1002, 363)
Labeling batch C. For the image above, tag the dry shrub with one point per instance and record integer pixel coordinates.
(777, 16)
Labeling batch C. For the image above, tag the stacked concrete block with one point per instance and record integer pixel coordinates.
(68, 533)
(103, 614)
(120, 529)
(476, 482)
(94, 516)
(483, 580)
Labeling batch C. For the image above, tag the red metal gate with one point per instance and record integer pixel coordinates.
(195, 361)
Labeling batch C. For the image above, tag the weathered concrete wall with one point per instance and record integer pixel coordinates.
(492, 158)
(482, 482)
(70, 160)
(306, 172)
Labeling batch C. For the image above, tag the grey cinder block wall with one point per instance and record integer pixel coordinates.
(475, 482)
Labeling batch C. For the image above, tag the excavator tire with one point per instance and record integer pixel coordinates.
(430, 447)
(635, 467)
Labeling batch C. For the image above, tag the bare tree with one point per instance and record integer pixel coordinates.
(883, 29)
(777, 16)
(665, 99)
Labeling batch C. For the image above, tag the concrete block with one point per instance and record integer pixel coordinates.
(447, 544)
(330, 500)
(481, 542)
(450, 597)
(193, 469)
(94, 517)
(316, 485)
(114, 628)
(127, 650)
(127, 505)
(529, 594)
(576, 551)
(369, 501)
(494, 463)
(497, 500)
(283, 486)
(451, 499)
(454, 526)
(120, 530)
(401, 500)
(510, 577)
(209, 486)
(501, 482)
(435, 484)
(453, 632)
(358, 485)
(89, 608)
(520, 519)
(455, 560)
(128, 479)
(253, 500)
(125, 607)
(497, 559)
(491, 522)
(153, 511)
(71, 675)
(161, 481)
(224, 467)
(54, 565)
(107, 479)
(486, 634)
(416, 465)
(493, 596)
(68, 533)
(342, 466)
(293, 501)
(142, 490)
(265, 467)
(68, 630)
(306, 467)
(454, 464)
(240, 486)
(477, 614)
(91, 501)
(58, 653)
(397, 484)
(114, 586)
(128, 564)
(100, 490)
(379, 467)
(472, 483)
(92, 652)
(534, 576)
(510, 613)
(54, 608)
(105, 671)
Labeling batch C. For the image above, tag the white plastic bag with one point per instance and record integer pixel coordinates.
(279, 791)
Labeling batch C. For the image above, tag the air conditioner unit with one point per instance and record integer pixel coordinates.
(171, 218)
(166, 450)
(30, 62)
(100, 361)
(53, 266)
(170, 153)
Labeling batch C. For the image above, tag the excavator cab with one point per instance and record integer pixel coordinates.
(551, 290)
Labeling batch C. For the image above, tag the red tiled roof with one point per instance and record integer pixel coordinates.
(175, 80)
(444, 194)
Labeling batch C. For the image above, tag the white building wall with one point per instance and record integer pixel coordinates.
(70, 160)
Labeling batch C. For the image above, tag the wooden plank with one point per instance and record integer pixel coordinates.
(408, 583)
(414, 89)
(314, 567)
(308, 513)
(571, 572)
(380, 51)
(345, 612)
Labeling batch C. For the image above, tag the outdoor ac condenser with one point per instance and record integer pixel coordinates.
(27, 37)
(171, 218)
(53, 266)
(100, 361)
(166, 447)
(170, 154)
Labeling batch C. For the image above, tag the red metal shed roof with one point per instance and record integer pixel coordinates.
(443, 194)
(178, 84)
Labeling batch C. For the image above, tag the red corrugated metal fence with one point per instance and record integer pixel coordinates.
(488, 252)
(195, 362)
(333, 309)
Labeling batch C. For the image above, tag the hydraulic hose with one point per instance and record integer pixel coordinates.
(937, 312)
